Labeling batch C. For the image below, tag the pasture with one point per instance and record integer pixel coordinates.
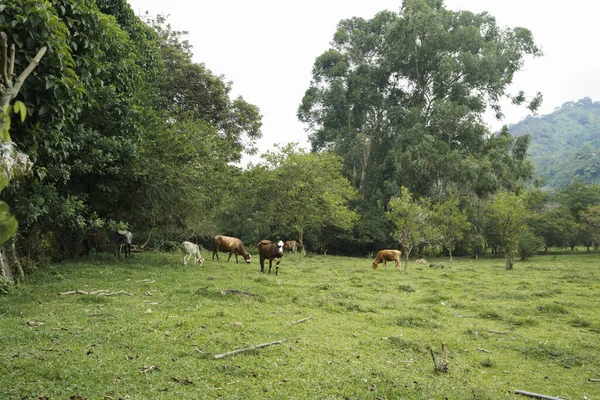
(350, 332)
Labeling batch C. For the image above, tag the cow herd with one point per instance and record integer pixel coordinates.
(121, 241)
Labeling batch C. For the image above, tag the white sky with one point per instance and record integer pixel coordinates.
(267, 49)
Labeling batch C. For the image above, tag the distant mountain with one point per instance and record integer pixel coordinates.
(564, 144)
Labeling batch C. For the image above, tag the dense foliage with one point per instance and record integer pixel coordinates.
(401, 98)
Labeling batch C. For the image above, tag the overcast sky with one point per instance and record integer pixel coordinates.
(267, 48)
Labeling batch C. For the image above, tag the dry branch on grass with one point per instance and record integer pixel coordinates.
(497, 332)
(96, 292)
(594, 380)
(441, 366)
(536, 395)
(302, 320)
(483, 350)
(258, 346)
(235, 291)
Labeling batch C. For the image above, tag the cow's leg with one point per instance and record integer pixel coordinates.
(216, 251)
(270, 263)
(186, 258)
(229, 258)
(277, 267)
(262, 264)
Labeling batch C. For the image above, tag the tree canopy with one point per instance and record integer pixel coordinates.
(400, 98)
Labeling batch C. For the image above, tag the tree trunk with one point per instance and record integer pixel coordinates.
(301, 241)
(509, 259)
(363, 174)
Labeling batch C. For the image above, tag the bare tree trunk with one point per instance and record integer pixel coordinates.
(363, 174)
(509, 259)
(301, 241)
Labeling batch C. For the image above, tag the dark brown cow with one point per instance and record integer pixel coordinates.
(92, 241)
(231, 245)
(387, 255)
(272, 251)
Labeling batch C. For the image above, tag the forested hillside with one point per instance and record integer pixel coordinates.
(564, 144)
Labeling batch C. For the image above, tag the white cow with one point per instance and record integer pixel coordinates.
(191, 249)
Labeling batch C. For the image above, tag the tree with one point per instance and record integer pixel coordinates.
(191, 90)
(304, 191)
(591, 218)
(451, 223)
(411, 220)
(507, 216)
(401, 97)
(13, 163)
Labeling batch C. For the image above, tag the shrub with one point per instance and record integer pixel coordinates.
(529, 243)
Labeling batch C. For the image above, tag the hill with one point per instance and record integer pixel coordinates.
(565, 144)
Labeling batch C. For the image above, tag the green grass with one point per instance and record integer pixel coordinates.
(535, 328)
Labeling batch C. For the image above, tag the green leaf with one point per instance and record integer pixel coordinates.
(20, 108)
(8, 223)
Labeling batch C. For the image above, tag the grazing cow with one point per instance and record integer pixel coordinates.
(191, 249)
(291, 246)
(272, 251)
(232, 245)
(387, 255)
(122, 239)
(92, 241)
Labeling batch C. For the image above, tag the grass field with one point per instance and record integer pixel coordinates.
(535, 328)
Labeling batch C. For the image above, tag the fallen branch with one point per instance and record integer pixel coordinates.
(499, 333)
(594, 380)
(441, 366)
(146, 281)
(258, 346)
(536, 395)
(234, 291)
(96, 292)
(465, 316)
(115, 293)
(302, 320)
(483, 350)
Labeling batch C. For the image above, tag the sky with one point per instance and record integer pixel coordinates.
(267, 48)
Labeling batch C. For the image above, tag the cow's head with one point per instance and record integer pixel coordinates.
(280, 247)
(247, 257)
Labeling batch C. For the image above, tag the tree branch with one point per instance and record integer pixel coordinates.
(258, 346)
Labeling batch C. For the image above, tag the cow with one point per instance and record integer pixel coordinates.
(232, 245)
(291, 246)
(122, 239)
(92, 241)
(272, 251)
(387, 255)
(191, 249)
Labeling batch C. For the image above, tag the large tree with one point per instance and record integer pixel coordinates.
(401, 97)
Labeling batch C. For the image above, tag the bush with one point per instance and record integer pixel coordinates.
(529, 243)
(7, 285)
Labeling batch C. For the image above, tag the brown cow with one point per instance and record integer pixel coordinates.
(291, 246)
(272, 251)
(232, 245)
(387, 255)
(92, 241)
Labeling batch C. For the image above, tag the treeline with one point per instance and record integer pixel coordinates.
(125, 130)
